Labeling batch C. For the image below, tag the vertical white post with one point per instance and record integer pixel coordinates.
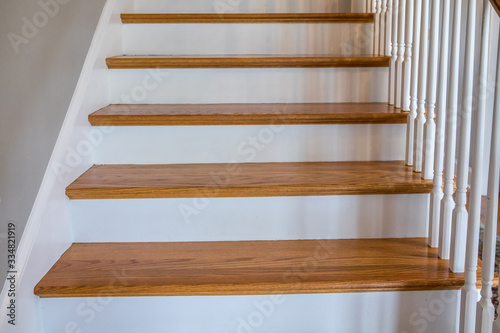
(367, 6)
(485, 309)
(401, 53)
(388, 29)
(414, 81)
(418, 141)
(460, 215)
(448, 203)
(432, 77)
(383, 26)
(407, 66)
(405, 92)
(394, 51)
(376, 36)
(437, 191)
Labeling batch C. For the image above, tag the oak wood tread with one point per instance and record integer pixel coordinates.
(247, 268)
(247, 180)
(146, 18)
(246, 114)
(496, 6)
(244, 61)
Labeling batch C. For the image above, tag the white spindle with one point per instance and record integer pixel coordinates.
(401, 52)
(367, 6)
(388, 28)
(418, 141)
(376, 40)
(405, 92)
(416, 13)
(394, 51)
(383, 26)
(460, 214)
(448, 203)
(437, 191)
(486, 311)
(432, 77)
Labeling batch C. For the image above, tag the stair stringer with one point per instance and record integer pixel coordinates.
(48, 231)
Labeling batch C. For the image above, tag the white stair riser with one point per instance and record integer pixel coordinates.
(264, 85)
(241, 6)
(232, 219)
(266, 143)
(403, 312)
(338, 39)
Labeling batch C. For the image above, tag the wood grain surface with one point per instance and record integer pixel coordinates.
(246, 114)
(244, 61)
(247, 268)
(496, 5)
(249, 18)
(246, 180)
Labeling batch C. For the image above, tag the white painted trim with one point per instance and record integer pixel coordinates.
(60, 238)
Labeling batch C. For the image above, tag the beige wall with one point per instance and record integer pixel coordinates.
(37, 78)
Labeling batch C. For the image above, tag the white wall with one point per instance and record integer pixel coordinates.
(36, 86)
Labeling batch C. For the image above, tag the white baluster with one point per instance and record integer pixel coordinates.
(460, 214)
(432, 76)
(448, 203)
(374, 6)
(405, 92)
(416, 13)
(405, 99)
(376, 40)
(383, 26)
(388, 29)
(367, 6)
(418, 141)
(486, 311)
(394, 51)
(401, 53)
(437, 191)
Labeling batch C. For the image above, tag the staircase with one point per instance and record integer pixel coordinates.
(247, 176)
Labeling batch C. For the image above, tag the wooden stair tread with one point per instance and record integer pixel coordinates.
(246, 114)
(133, 18)
(247, 268)
(244, 61)
(496, 6)
(246, 180)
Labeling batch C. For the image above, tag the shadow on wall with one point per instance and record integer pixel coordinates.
(43, 45)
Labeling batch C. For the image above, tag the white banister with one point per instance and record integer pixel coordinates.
(417, 10)
(376, 40)
(486, 311)
(418, 141)
(437, 191)
(394, 51)
(460, 214)
(383, 27)
(448, 203)
(401, 53)
(432, 77)
(405, 92)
